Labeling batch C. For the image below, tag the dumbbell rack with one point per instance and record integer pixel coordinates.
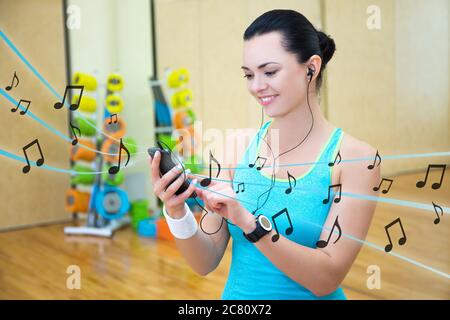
(96, 224)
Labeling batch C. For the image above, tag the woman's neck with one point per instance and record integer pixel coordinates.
(295, 125)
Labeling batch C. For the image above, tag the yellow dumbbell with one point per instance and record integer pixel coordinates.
(115, 82)
(87, 104)
(182, 99)
(114, 103)
(178, 78)
(83, 79)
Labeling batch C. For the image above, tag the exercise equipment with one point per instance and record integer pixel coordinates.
(178, 78)
(87, 104)
(181, 99)
(77, 201)
(84, 175)
(114, 83)
(184, 118)
(114, 179)
(79, 152)
(138, 212)
(112, 203)
(114, 103)
(87, 126)
(83, 79)
(130, 144)
(114, 129)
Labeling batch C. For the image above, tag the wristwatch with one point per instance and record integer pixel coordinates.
(263, 227)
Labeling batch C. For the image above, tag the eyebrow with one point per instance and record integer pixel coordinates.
(260, 66)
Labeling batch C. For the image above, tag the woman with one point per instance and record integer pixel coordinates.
(277, 255)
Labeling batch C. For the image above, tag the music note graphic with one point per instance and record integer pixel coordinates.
(73, 106)
(115, 115)
(371, 166)
(384, 190)
(207, 181)
(8, 88)
(39, 161)
(436, 185)
(289, 229)
(289, 190)
(323, 243)
(243, 187)
(401, 241)
(336, 200)
(436, 208)
(338, 156)
(115, 169)
(27, 102)
(75, 140)
(261, 166)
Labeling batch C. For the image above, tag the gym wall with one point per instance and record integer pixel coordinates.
(36, 29)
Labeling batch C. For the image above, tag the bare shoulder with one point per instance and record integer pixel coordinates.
(352, 147)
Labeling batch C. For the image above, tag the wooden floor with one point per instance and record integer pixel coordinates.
(33, 262)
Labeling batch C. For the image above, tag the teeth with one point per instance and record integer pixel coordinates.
(267, 99)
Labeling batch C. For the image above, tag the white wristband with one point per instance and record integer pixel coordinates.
(182, 228)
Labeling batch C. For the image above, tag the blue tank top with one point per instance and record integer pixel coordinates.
(252, 275)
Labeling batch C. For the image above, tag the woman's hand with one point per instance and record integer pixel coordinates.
(174, 203)
(221, 198)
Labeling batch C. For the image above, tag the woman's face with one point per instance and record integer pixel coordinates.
(274, 76)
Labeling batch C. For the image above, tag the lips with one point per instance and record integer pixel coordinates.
(266, 100)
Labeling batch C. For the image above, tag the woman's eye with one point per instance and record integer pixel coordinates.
(270, 73)
(248, 76)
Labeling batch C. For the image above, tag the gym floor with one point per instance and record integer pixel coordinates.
(33, 262)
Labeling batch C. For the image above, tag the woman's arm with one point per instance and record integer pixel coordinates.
(202, 252)
(319, 270)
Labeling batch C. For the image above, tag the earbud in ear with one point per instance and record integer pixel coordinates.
(310, 73)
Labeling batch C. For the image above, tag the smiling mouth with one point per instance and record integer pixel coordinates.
(267, 100)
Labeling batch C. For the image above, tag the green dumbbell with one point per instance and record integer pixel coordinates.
(113, 179)
(138, 212)
(130, 144)
(87, 126)
(85, 175)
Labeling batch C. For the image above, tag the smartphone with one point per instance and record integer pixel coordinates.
(167, 162)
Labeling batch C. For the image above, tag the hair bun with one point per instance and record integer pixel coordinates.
(327, 46)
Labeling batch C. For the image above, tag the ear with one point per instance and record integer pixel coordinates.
(314, 63)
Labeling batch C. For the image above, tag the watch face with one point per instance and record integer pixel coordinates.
(265, 223)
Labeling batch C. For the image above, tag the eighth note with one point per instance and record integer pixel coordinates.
(8, 88)
(243, 187)
(401, 241)
(436, 207)
(75, 140)
(115, 115)
(384, 190)
(27, 102)
(73, 106)
(258, 167)
(289, 229)
(289, 190)
(436, 185)
(207, 181)
(338, 156)
(338, 199)
(115, 169)
(39, 161)
(323, 243)
(371, 166)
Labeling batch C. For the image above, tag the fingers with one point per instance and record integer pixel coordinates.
(155, 166)
(187, 193)
(166, 179)
(174, 186)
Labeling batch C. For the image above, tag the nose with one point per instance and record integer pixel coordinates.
(257, 84)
